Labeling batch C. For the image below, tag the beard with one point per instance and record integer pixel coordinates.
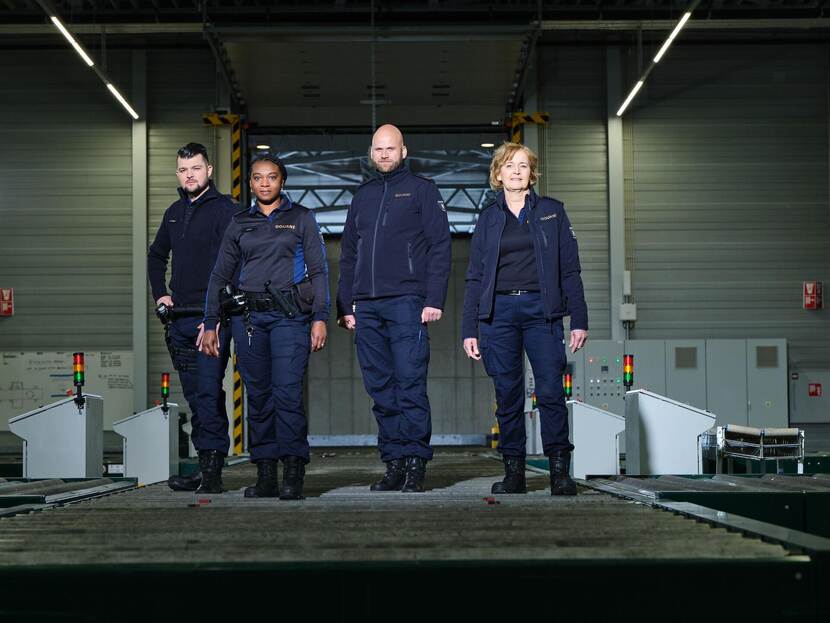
(200, 188)
(388, 166)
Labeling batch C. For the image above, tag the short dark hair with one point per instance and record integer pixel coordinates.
(273, 160)
(191, 150)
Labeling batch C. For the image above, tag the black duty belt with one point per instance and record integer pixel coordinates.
(516, 292)
(262, 301)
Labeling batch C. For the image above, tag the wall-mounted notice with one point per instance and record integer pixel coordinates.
(29, 380)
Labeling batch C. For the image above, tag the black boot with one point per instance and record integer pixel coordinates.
(214, 461)
(561, 482)
(293, 472)
(416, 469)
(188, 483)
(185, 483)
(394, 477)
(514, 476)
(267, 485)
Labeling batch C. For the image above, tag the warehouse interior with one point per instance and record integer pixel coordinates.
(701, 206)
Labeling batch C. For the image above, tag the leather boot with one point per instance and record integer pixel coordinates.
(188, 483)
(394, 477)
(561, 482)
(185, 483)
(293, 473)
(416, 469)
(514, 476)
(267, 485)
(211, 471)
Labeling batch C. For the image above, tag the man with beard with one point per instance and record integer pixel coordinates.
(192, 229)
(394, 269)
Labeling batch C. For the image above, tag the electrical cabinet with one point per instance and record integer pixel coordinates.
(686, 371)
(603, 375)
(726, 381)
(767, 383)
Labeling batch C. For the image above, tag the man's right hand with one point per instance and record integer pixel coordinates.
(210, 344)
(167, 300)
(347, 322)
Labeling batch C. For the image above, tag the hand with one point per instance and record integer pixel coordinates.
(210, 344)
(167, 300)
(318, 335)
(430, 314)
(471, 348)
(578, 339)
(200, 337)
(347, 321)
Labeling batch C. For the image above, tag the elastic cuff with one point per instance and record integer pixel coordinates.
(324, 316)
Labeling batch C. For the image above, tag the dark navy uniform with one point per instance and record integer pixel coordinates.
(193, 231)
(523, 277)
(285, 249)
(395, 260)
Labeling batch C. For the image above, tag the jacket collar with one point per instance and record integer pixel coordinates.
(530, 200)
(399, 173)
(285, 204)
(210, 193)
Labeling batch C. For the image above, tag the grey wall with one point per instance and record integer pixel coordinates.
(727, 195)
(574, 162)
(461, 394)
(65, 188)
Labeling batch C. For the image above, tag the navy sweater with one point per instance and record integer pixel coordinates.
(194, 243)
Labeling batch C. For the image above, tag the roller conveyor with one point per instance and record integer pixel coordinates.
(344, 548)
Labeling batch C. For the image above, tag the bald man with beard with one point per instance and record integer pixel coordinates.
(394, 270)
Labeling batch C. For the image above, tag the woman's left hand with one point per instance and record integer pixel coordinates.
(578, 339)
(318, 335)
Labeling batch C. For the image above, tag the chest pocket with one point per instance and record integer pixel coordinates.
(401, 211)
(548, 228)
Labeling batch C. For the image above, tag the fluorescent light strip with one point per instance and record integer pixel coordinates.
(59, 25)
(673, 34)
(121, 99)
(630, 97)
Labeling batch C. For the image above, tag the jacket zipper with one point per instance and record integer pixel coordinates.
(409, 257)
(537, 252)
(375, 239)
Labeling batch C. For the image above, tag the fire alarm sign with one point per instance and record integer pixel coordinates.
(812, 294)
(6, 301)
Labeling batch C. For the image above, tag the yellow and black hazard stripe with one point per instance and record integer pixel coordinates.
(519, 119)
(238, 446)
(217, 119)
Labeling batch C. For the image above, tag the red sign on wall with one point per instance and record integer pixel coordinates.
(6, 301)
(814, 389)
(812, 295)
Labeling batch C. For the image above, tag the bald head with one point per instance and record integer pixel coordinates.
(388, 150)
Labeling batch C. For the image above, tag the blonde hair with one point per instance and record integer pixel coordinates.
(505, 154)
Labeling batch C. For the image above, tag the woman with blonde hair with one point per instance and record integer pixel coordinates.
(523, 278)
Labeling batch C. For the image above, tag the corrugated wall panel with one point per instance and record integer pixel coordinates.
(181, 86)
(727, 202)
(574, 161)
(65, 201)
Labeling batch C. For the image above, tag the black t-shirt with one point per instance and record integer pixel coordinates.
(517, 261)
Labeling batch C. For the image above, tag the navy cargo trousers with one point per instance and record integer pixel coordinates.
(273, 365)
(393, 351)
(518, 323)
(201, 378)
